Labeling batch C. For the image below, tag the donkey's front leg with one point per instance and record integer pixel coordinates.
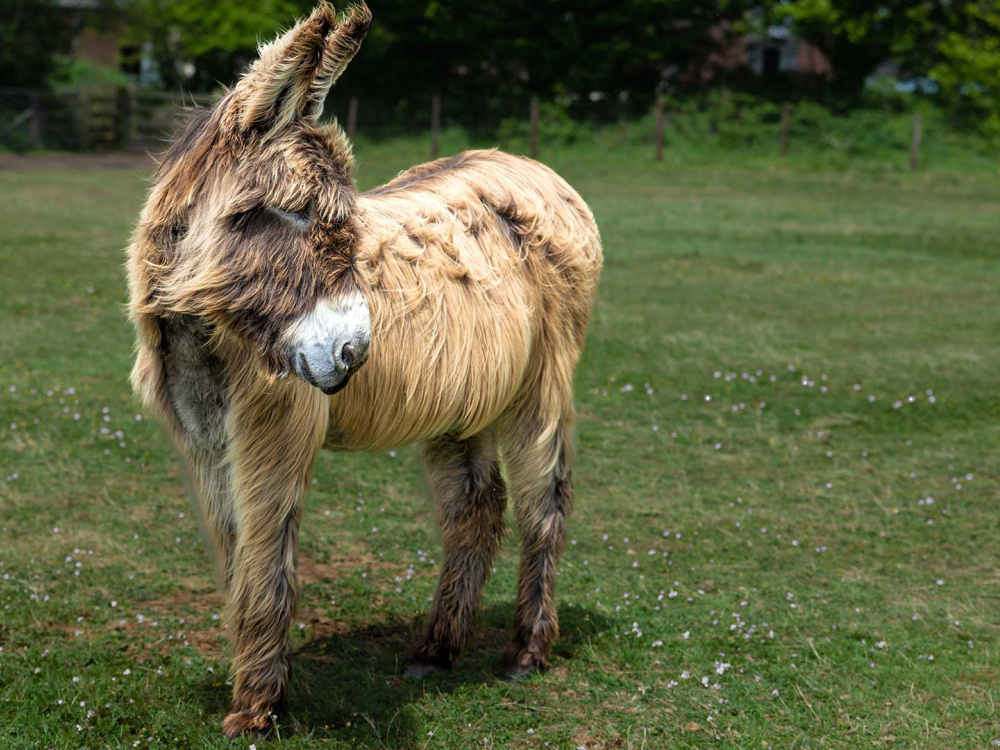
(209, 479)
(275, 438)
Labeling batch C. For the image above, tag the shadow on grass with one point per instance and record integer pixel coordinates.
(347, 685)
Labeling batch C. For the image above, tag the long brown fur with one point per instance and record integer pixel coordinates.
(480, 271)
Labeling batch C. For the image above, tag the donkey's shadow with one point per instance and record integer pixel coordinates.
(347, 685)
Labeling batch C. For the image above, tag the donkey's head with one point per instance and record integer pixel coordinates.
(250, 222)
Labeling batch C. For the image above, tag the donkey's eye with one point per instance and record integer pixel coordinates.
(300, 218)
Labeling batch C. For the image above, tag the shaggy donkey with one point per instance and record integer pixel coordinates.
(464, 286)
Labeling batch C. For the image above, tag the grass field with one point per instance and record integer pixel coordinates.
(788, 497)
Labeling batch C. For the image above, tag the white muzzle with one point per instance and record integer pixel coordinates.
(327, 345)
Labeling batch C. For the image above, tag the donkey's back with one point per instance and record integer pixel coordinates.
(525, 205)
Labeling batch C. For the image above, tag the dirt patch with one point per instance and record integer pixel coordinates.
(149, 642)
(187, 601)
(322, 625)
(194, 601)
(340, 565)
(134, 160)
(208, 642)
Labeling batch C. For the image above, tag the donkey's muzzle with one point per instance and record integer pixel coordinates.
(329, 344)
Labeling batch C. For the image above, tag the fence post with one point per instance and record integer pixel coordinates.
(534, 127)
(132, 135)
(352, 117)
(36, 121)
(435, 124)
(82, 120)
(918, 127)
(123, 116)
(659, 128)
(786, 126)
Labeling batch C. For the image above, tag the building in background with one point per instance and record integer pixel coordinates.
(776, 51)
(98, 39)
(780, 51)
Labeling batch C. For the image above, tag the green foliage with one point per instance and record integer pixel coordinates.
(857, 35)
(876, 135)
(488, 60)
(957, 44)
(969, 72)
(481, 57)
(199, 43)
(555, 126)
(732, 121)
(74, 74)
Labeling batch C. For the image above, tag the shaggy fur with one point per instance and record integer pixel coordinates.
(480, 271)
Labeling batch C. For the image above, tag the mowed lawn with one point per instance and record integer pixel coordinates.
(787, 524)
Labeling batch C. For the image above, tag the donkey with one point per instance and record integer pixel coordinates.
(446, 308)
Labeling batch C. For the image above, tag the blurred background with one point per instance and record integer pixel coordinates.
(840, 76)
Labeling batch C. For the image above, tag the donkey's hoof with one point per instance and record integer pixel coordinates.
(521, 663)
(246, 724)
(419, 670)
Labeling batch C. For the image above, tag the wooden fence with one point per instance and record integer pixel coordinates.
(144, 119)
(89, 121)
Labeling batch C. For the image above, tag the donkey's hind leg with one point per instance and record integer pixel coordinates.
(470, 498)
(537, 451)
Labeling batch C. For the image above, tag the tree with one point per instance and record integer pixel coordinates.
(32, 34)
(969, 65)
(493, 56)
(955, 44)
(858, 35)
(199, 43)
(474, 53)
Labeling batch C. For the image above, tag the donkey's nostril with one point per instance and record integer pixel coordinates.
(347, 355)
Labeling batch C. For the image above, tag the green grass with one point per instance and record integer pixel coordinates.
(843, 323)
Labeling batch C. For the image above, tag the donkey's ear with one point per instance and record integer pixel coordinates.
(340, 47)
(284, 82)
